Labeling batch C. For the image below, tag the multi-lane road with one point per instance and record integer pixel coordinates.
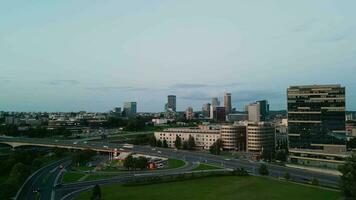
(190, 157)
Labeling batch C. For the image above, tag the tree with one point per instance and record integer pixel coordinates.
(164, 144)
(348, 178)
(141, 162)
(263, 170)
(178, 142)
(268, 154)
(129, 162)
(281, 156)
(315, 181)
(153, 141)
(216, 147)
(351, 144)
(159, 143)
(96, 195)
(185, 145)
(287, 175)
(191, 143)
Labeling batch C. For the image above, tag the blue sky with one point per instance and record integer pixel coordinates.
(93, 55)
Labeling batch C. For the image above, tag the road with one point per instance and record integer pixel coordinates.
(40, 184)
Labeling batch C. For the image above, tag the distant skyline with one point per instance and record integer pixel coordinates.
(95, 55)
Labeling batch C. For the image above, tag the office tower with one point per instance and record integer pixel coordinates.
(171, 103)
(116, 112)
(206, 110)
(260, 137)
(227, 103)
(316, 115)
(258, 111)
(217, 113)
(130, 109)
(215, 102)
(189, 114)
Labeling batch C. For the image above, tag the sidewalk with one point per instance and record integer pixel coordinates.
(314, 169)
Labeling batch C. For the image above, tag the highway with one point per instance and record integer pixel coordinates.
(276, 171)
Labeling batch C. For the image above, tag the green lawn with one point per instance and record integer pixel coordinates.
(174, 163)
(97, 177)
(213, 188)
(206, 167)
(71, 177)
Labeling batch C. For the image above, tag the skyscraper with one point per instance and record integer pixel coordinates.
(227, 103)
(130, 109)
(258, 111)
(215, 102)
(171, 103)
(206, 110)
(316, 115)
(189, 114)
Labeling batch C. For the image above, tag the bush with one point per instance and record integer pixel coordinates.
(263, 170)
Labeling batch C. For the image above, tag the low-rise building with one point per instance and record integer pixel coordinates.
(203, 138)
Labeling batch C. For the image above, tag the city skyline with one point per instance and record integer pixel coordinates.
(71, 56)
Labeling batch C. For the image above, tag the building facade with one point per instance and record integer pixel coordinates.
(316, 115)
(260, 137)
(233, 137)
(130, 109)
(171, 103)
(189, 114)
(258, 111)
(203, 138)
(227, 103)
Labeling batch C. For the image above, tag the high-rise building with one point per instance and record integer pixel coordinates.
(189, 114)
(215, 102)
(316, 125)
(217, 113)
(130, 109)
(206, 110)
(171, 103)
(260, 137)
(258, 111)
(316, 115)
(227, 103)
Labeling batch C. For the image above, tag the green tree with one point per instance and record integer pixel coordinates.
(153, 141)
(281, 155)
(263, 170)
(178, 142)
(159, 143)
(216, 147)
(315, 181)
(287, 175)
(348, 178)
(96, 195)
(129, 162)
(191, 143)
(164, 144)
(185, 145)
(351, 144)
(141, 162)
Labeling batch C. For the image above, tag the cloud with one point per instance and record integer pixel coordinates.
(122, 88)
(195, 86)
(337, 36)
(63, 82)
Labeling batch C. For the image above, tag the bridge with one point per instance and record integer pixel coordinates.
(52, 143)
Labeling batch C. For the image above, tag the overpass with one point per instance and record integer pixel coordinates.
(78, 145)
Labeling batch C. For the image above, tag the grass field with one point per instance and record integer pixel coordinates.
(69, 177)
(202, 166)
(227, 188)
(174, 163)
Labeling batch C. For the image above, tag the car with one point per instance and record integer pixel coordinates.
(85, 142)
(106, 147)
(60, 166)
(75, 142)
(159, 152)
(56, 141)
(153, 149)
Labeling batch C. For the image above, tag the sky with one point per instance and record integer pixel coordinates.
(94, 55)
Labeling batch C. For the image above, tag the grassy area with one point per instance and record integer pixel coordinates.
(83, 168)
(227, 188)
(71, 177)
(174, 163)
(206, 167)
